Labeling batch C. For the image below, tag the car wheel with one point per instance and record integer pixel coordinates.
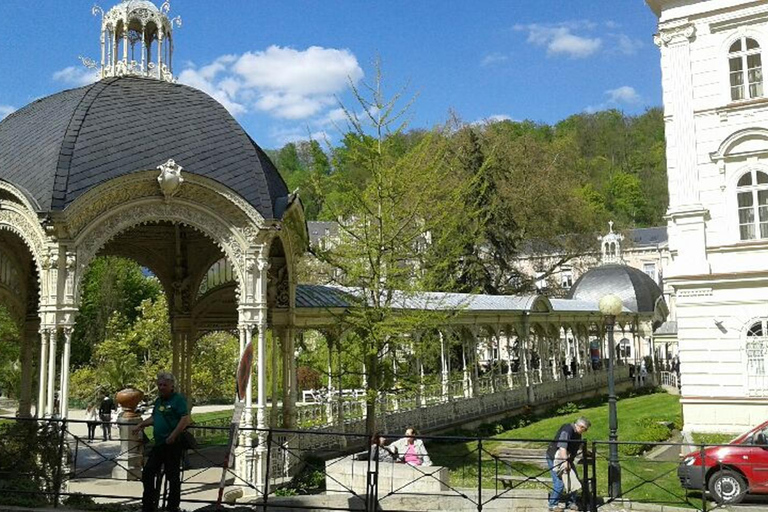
(727, 486)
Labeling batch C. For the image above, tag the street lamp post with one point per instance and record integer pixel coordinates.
(610, 307)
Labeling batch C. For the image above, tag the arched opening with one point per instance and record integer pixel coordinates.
(162, 266)
(19, 321)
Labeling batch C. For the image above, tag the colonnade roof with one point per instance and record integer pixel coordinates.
(326, 296)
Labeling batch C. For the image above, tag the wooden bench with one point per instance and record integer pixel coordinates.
(530, 456)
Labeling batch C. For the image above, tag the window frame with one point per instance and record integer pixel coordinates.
(753, 225)
(742, 56)
(756, 371)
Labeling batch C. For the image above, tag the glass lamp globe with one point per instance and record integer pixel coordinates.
(610, 305)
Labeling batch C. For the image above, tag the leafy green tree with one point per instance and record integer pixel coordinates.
(10, 351)
(625, 197)
(213, 371)
(131, 354)
(384, 220)
(110, 285)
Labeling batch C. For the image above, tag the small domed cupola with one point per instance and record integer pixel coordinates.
(137, 40)
(611, 246)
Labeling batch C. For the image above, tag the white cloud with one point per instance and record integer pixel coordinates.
(285, 135)
(284, 82)
(224, 90)
(559, 39)
(76, 76)
(6, 110)
(495, 118)
(624, 94)
(627, 45)
(314, 71)
(493, 58)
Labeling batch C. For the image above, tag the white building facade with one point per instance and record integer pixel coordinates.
(716, 114)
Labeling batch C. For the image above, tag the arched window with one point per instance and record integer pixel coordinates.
(752, 197)
(757, 357)
(746, 69)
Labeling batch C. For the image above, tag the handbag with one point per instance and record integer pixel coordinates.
(187, 440)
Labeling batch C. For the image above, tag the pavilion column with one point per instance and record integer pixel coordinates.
(555, 351)
(103, 48)
(49, 403)
(510, 381)
(159, 52)
(475, 360)
(395, 401)
(261, 400)
(422, 389)
(27, 349)
(64, 393)
(524, 333)
(444, 387)
(494, 335)
(40, 407)
(183, 345)
(289, 370)
(278, 340)
(143, 49)
(191, 339)
(465, 371)
(540, 349)
(176, 352)
(125, 46)
(329, 416)
(578, 345)
(340, 385)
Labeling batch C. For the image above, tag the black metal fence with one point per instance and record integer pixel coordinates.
(50, 462)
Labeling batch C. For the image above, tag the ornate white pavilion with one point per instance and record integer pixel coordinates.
(139, 166)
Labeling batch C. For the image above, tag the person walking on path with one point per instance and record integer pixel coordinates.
(560, 456)
(105, 415)
(92, 419)
(170, 416)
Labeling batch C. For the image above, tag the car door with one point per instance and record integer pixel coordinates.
(753, 460)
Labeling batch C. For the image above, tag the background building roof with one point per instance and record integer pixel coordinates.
(637, 291)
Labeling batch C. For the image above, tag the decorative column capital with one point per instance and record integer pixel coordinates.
(673, 36)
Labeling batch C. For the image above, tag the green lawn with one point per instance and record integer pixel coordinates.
(642, 479)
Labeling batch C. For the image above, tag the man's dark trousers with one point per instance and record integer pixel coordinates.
(169, 457)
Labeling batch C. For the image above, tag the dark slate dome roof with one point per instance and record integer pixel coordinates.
(57, 148)
(637, 291)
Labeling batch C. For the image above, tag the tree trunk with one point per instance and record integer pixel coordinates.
(371, 395)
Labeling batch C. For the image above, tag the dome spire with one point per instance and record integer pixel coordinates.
(137, 40)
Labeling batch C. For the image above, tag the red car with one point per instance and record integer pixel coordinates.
(730, 471)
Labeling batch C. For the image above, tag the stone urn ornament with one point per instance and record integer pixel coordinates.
(129, 399)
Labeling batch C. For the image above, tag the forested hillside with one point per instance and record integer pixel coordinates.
(614, 162)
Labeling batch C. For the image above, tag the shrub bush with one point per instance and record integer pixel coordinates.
(29, 463)
(654, 431)
(568, 408)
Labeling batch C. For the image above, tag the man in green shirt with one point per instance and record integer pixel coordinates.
(170, 416)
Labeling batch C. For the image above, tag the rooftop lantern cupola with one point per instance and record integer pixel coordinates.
(137, 40)
(611, 246)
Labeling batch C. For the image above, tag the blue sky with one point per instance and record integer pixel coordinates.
(281, 66)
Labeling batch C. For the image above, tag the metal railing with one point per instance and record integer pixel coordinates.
(280, 468)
